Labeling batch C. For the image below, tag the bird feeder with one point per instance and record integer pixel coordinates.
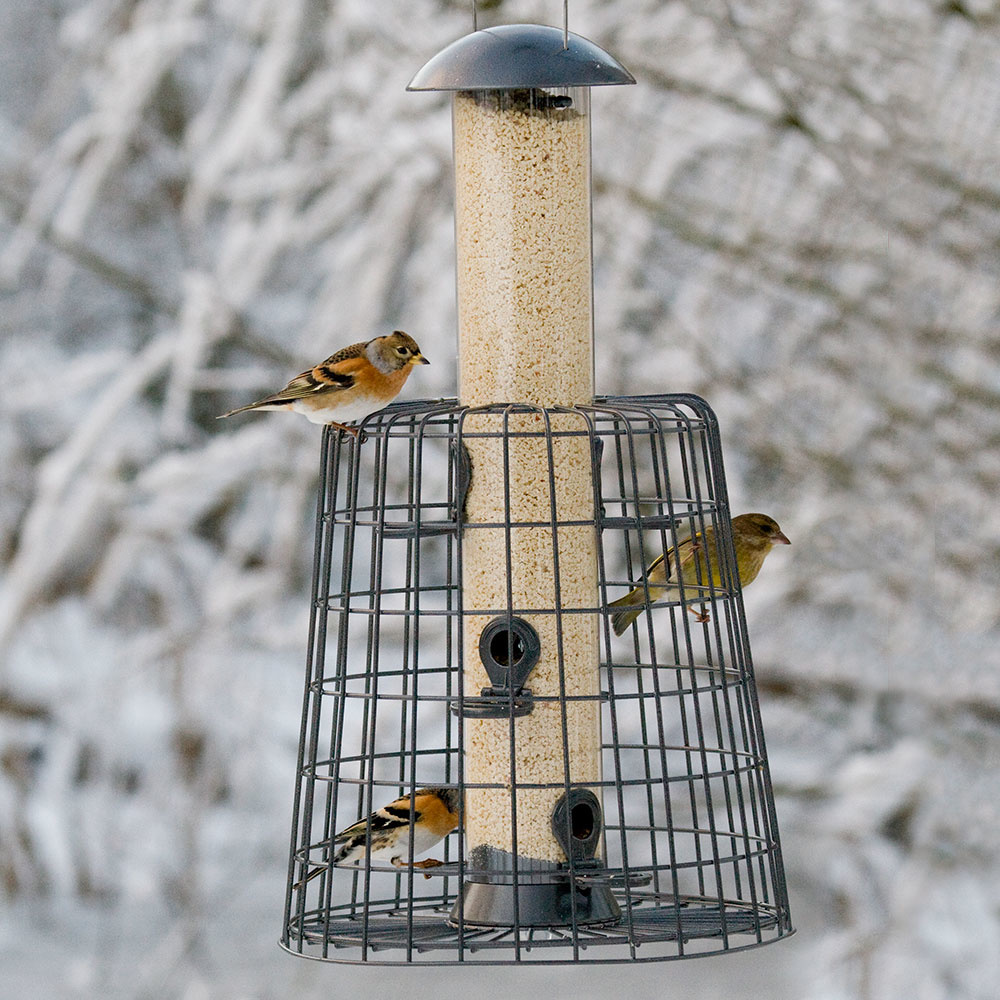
(521, 123)
(614, 794)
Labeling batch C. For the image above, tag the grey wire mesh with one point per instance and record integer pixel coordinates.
(688, 856)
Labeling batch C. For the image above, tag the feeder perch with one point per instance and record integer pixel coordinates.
(615, 801)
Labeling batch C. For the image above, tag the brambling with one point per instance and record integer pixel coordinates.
(754, 535)
(386, 833)
(350, 384)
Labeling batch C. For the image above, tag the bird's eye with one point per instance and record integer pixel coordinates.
(403, 351)
(768, 530)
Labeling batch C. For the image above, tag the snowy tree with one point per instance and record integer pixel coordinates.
(200, 197)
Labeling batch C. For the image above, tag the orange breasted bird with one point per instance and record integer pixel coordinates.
(350, 384)
(386, 834)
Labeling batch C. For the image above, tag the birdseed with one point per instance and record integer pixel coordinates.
(525, 335)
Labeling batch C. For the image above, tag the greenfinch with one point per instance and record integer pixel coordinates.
(754, 535)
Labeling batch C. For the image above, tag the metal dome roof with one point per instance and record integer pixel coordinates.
(520, 55)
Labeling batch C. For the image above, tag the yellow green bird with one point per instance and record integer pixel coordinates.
(754, 535)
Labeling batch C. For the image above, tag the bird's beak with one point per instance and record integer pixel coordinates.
(781, 539)
(419, 359)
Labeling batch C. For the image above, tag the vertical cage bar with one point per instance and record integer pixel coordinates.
(320, 562)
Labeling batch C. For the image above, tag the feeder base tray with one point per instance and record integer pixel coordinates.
(686, 927)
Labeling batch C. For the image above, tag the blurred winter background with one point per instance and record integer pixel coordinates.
(797, 215)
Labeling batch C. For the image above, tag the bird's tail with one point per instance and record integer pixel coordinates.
(309, 876)
(345, 848)
(262, 404)
(270, 403)
(631, 604)
(241, 409)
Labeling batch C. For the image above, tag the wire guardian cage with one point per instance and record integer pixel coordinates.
(494, 765)
(618, 813)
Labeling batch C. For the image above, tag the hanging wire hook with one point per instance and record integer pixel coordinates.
(565, 24)
(475, 16)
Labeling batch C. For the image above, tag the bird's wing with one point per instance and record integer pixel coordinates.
(663, 568)
(333, 375)
(398, 813)
(389, 817)
(657, 565)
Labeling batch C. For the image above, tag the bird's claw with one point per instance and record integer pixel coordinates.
(356, 432)
(398, 862)
(428, 863)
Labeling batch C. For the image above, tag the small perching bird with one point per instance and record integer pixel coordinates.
(350, 384)
(754, 535)
(386, 833)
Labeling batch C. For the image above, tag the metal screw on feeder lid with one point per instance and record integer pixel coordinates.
(520, 55)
